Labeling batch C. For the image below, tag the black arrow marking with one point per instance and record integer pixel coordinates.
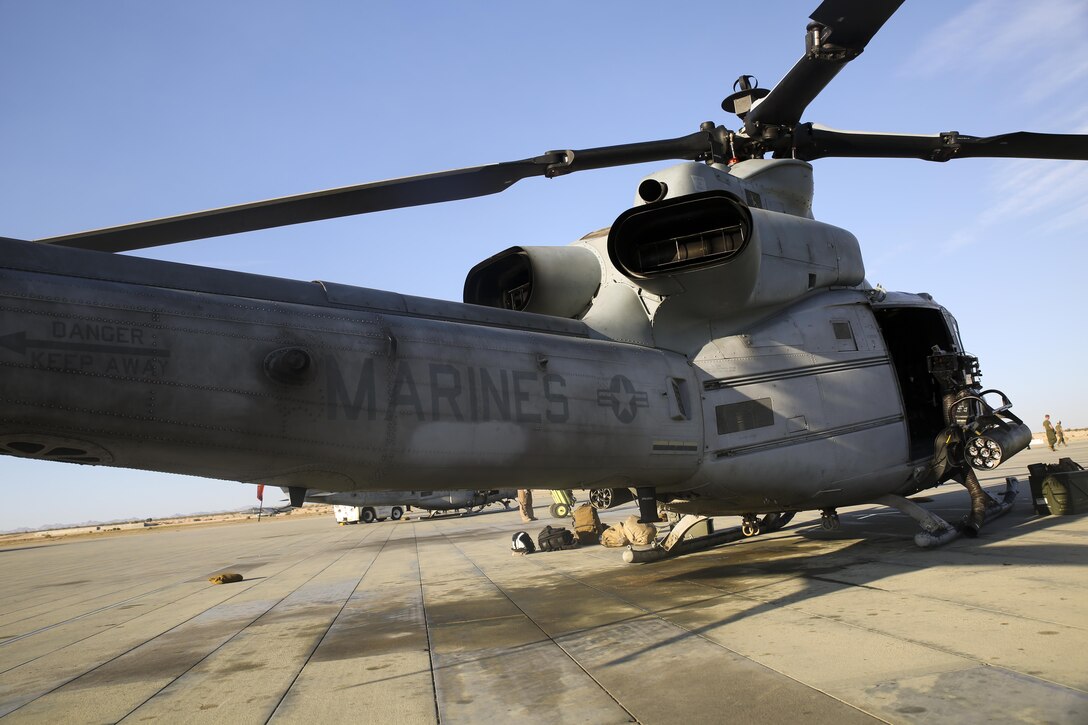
(18, 342)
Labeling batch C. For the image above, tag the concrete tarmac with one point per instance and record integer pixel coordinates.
(436, 621)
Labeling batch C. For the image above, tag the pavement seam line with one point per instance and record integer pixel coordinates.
(251, 584)
(427, 629)
(706, 639)
(541, 629)
(332, 622)
(130, 649)
(242, 629)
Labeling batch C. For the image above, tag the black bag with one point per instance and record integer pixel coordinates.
(553, 538)
(521, 541)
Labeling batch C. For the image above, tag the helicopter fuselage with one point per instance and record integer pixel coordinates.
(122, 361)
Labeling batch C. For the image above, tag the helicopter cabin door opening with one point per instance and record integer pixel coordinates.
(910, 334)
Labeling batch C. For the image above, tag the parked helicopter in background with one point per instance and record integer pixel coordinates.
(432, 501)
(715, 349)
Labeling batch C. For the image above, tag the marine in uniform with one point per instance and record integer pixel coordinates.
(1051, 435)
(525, 505)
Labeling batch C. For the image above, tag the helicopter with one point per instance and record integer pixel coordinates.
(433, 501)
(612, 364)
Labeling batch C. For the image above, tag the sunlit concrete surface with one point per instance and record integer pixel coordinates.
(435, 621)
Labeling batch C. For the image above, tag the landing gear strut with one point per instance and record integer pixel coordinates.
(696, 533)
(754, 524)
(297, 495)
(647, 505)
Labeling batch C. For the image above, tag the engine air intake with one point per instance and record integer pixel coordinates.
(557, 281)
(698, 230)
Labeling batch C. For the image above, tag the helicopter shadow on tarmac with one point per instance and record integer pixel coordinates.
(804, 562)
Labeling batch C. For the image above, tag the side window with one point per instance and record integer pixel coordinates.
(844, 335)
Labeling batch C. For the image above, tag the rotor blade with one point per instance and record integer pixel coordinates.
(848, 25)
(815, 142)
(1023, 145)
(380, 195)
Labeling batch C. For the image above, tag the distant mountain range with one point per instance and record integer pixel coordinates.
(115, 522)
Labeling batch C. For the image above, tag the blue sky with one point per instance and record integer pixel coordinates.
(114, 112)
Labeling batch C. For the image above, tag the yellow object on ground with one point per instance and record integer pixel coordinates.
(228, 577)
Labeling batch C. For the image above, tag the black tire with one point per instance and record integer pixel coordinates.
(396, 513)
(562, 510)
(600, 498)
(774, 522)
(606, 498)
(368, 516)
(1057, 496)
(552, 511)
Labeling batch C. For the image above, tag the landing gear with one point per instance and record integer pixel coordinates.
(829, 520)
(754, 525)
(695, 533)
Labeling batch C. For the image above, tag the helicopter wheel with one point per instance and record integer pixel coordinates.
(750, 526)
(829, 520)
